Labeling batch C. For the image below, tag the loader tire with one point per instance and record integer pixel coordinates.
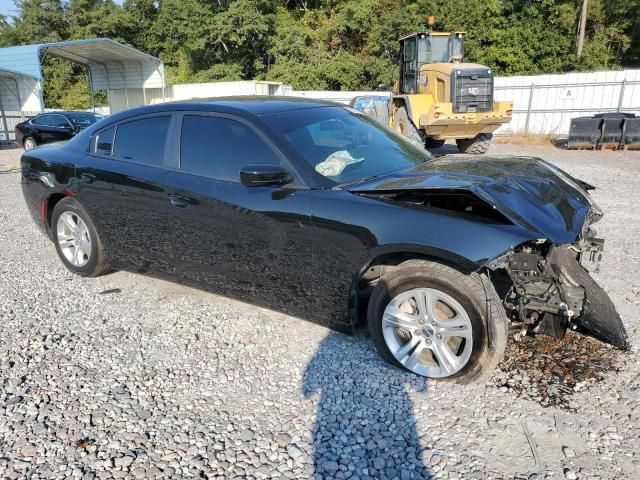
(478, 144)
(404, 126)
(382, 113)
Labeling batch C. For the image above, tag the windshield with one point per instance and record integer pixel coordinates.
(433, 49)
(83, 120)
(344, 145)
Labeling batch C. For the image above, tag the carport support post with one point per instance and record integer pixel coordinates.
(526, 122)
(621, 99)
(4, 122)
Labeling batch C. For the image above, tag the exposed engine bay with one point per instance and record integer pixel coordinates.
(547, 289)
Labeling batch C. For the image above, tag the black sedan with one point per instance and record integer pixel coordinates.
(316, 210)
(53, 127)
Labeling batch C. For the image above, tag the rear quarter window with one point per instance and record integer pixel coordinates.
(104, 142)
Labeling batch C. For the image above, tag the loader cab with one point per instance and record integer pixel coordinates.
(424, 48)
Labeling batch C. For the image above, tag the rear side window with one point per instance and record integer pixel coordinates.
(142, 141)
(44, 120)
(104, 142)
(54, 120)
(219, 147)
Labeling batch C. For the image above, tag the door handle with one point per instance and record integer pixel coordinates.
(179, 201)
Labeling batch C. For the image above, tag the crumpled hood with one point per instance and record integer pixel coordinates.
(528, 191)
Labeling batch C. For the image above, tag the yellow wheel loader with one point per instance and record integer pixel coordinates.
(439, 97)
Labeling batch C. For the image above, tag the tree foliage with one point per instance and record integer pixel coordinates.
(323, 44)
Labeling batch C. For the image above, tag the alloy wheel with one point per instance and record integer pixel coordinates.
(428, 332)
(29, 144)
(74, 239)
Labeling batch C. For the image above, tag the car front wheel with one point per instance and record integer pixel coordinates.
(438, 322)
(76, 239)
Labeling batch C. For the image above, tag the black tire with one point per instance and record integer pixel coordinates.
(474, 292)
(478, 144)
(433, 143)
(404, 126)
(26, 143)
(97, 264)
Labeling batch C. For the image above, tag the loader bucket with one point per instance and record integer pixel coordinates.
(611, 132)
(584, 133)
(631, 133)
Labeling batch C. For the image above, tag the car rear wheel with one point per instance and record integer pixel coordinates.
(437, 322)
(76, 240)
(29, 143)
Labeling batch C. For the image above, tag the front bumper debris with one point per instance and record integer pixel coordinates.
(552, 291)
(599, 316)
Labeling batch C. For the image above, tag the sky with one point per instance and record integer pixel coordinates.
(7, 7)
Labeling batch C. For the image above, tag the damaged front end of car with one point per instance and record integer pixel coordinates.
(544, 277)
(547, 289)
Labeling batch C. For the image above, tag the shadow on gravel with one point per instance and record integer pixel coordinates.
(365, 423)
(549, 370)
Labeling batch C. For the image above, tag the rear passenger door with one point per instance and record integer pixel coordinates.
(244, 242)
(121, 185)
(53, 127)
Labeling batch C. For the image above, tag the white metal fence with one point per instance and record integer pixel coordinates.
(8, 122)
(545, 104)
(542, 104)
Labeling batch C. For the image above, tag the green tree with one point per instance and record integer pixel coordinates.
(323, 44)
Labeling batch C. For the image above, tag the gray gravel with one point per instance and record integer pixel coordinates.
(129, 377)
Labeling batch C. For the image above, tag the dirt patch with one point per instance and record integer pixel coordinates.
(549, 370)
(526, 139)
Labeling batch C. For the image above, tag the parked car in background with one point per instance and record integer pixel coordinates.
(317, 210)
(53, 127)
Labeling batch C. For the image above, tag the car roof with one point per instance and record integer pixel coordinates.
(65, 112)
(262, 105)
(242, 105)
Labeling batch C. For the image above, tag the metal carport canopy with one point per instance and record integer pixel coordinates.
(14, 89)
(111, 65)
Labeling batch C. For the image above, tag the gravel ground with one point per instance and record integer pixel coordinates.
(125, 376)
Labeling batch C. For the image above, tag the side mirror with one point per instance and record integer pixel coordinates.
(263, 175)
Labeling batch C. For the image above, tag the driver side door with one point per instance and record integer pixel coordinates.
(249, 243)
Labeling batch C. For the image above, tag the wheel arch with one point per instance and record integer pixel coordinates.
(400, 101)
(50, 205)
(388, 257)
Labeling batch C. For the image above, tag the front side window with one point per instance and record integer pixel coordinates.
(142, 141)
(219, 147)
(43, 120)
(344, 145)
